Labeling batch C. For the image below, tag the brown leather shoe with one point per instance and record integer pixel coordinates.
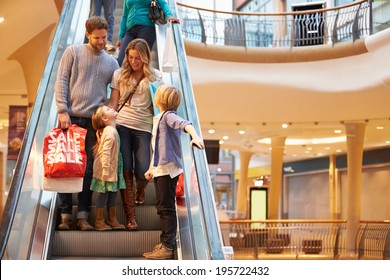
(65, 224)
(132, 225)
(160, 253)
(82, 224)
(140, 192)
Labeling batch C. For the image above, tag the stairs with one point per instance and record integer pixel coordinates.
(76, 244)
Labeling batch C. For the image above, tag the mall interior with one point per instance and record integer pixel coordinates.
(290, 96)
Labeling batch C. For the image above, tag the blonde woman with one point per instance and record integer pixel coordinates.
(134, 120)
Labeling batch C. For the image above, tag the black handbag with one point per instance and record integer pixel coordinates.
(156, 14)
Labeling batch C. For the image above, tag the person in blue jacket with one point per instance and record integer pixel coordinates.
(135, 23)
(166, 165)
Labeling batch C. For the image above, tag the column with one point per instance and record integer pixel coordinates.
(277, 144)
(332, 187)
(242, 191)
(355, 141)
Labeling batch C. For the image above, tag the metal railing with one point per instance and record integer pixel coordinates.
(304, 239)
(293, 29)
(373, 240)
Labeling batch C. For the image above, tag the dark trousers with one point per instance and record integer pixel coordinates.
(148, 33)
(84, 197)
(166, 208)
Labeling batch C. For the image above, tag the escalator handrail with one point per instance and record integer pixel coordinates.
(212, 228)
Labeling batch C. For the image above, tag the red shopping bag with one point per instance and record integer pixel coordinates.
(180, 185)
(64, 153)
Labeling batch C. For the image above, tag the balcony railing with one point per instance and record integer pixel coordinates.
(304, 239)
(293, 29)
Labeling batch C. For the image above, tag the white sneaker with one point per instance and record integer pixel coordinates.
(110, 47)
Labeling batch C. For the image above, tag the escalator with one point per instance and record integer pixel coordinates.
(28, 228)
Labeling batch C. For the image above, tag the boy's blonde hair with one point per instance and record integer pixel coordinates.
(168, 97)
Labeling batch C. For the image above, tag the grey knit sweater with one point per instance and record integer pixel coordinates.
(82, 80)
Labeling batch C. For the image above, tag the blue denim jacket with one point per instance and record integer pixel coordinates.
(167, 145)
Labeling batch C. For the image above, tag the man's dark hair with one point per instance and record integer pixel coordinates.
(95, 22)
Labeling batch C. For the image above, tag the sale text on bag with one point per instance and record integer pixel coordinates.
(64, 147)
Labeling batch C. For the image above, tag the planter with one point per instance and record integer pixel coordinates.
(274, 246)
(313, 246)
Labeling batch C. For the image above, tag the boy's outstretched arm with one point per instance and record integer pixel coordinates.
(196, 140)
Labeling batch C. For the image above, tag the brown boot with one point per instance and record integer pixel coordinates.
(65, 224)
(140, 195)
(128, 200)
(112, 220)
(82, 224)
(100, 224)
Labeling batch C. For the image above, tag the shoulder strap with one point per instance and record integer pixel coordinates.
(130, 95)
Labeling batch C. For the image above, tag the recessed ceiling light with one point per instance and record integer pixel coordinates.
(284, 125)
(241, 132)
(2, 19)
(338, 131)
(211, 131)
(380, 127)
(221, 142)
(225, 137)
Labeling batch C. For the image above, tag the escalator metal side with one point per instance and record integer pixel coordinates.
(25, 219)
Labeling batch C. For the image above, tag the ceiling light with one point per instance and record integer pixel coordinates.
(284, 125)
(264, 141)
(338, 131)
(225, 137)
(338, 151)
(241, 132)
(221, 142)
(2, 19)
(316, 141)
(211, 131)
(380, 127)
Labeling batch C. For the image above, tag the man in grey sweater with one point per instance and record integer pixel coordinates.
(83, 76)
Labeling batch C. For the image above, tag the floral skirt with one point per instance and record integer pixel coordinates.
(98, 185)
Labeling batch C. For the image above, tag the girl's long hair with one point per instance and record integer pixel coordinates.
(98, 124)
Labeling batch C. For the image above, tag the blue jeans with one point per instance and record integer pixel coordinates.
(107, 198)
(148, 33)
(109, 10)
(165, 187)
(135, 149)
(84, 197)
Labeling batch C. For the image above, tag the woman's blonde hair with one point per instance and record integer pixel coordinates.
(98, 124)
(167, 97)
(142, 47)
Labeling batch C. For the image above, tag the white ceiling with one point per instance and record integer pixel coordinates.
(314, 97)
